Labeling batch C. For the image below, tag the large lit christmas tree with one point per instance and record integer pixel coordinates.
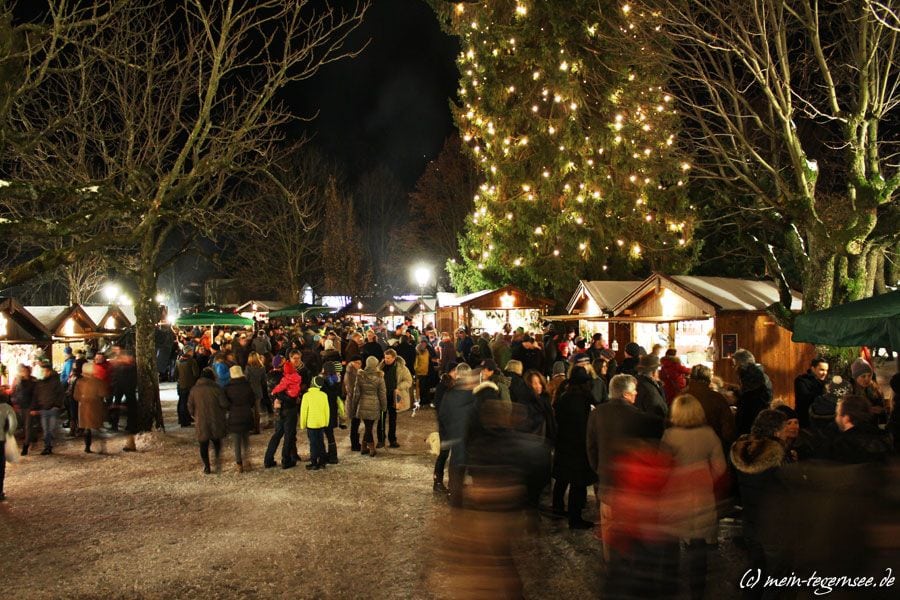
(575, 135)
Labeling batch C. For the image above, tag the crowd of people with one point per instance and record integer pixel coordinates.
(667, 450)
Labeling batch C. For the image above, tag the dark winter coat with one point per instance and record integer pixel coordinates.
(864, 443)
(806, 389)
(650, 397)
(443, 386)
(718, 412)
(754, 396)
(448, 355)
(49, 393)
(531, 358)
(332, 389)
(123, 378)
(241, 354)
(261, 344)
(572, 410)
(241, 405)
(757, 461)
(454, 418)
(519, 391)
(407, 352)
(370, 394)
(188, 371)
(207, 405)
(23, 393)
(612, 428)
(256, 377)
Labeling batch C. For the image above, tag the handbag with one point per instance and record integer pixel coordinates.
(11, 449)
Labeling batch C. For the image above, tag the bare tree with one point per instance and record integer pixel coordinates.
(347, 271)
(381, 206)
(278, 227)
(176, 105)
(789, 106)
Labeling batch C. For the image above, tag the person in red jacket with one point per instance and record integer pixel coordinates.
(287, 399)
(673, 374)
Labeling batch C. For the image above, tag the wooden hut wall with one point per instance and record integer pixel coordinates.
(621, 333)
(770, 343)
(446, 319)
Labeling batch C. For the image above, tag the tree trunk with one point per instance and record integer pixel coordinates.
(146, 313)
(880, 286)
(818, 277)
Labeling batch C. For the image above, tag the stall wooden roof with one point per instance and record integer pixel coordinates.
(124, 315)
(54, 319)
(605, 294)
(697, 297)
(21, 325)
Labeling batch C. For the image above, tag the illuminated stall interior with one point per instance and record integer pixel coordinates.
(259, 309)
(22, 338)
(490, 310)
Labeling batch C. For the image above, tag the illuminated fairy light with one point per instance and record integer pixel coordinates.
(521, 10)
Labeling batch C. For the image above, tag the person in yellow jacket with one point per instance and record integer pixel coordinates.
(314, 418)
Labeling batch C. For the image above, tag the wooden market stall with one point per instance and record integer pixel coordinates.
(490, 310)
(259, 310)
(592, 303)
(393, 312)
(424, 312)
(21, 337)
(708, 318)
(68, 325)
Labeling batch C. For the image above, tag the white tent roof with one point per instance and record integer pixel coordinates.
(448, 299)
(261, 305)
(47, 315)
(736, 294)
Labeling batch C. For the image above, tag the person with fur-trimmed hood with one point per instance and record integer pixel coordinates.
(757, 457)
(398, 383)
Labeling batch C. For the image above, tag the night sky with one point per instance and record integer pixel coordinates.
(391, 103)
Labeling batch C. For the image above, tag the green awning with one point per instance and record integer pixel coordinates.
(212, 318)
(873, 322)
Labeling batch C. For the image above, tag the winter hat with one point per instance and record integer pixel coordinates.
(632, 349)
(328, 345)
(859, 367)
(789, 412)
(582, 359)
(648, 363)
(559, 368)
(463, 369)
(277, 361)
(371, 363)
(328, 368)
(236, 372)
(489, 364)
(354, 358)
(318, 381)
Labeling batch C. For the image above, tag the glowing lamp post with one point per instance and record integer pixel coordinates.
(422, 275)
(111, 291)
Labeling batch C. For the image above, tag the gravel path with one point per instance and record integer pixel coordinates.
(151, 525)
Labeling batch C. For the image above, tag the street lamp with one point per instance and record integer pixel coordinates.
(422, 274)
(111, 291)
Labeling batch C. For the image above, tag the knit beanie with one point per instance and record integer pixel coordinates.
(559, 368)
(859, 367)
(371, 363)
(236, 372)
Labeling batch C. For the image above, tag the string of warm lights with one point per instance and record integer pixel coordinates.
(567, 169)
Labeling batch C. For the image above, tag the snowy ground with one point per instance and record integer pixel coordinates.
(151, 525)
